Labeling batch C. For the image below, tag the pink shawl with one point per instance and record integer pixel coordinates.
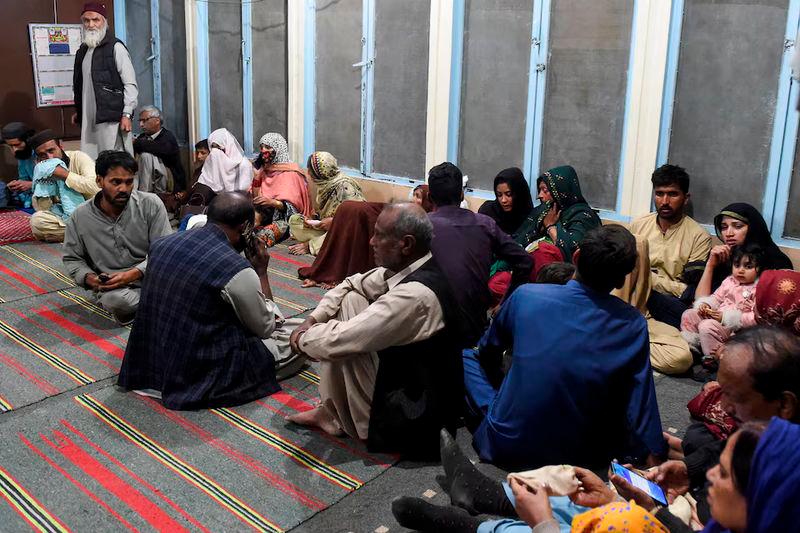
(286, 182)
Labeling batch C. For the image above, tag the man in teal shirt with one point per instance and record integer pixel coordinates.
(16, 135)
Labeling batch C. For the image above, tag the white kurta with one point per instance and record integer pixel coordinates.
(107, 136)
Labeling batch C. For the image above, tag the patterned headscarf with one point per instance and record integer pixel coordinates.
(778, 299)
(333, 186)
(619, 517)
(277, 143)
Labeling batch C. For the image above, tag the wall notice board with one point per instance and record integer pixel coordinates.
(53, 49)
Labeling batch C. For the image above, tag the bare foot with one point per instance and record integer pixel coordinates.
(308, 283)
(319, 418)
(300, 248)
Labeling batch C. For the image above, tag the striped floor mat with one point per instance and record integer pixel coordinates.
(53, 338)
(109, 461)
(15, 226)
(30, 269)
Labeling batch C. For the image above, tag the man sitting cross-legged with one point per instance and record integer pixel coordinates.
(580, 389)
(387, 344)
(202, 346)
(107, 238)
(62, 180)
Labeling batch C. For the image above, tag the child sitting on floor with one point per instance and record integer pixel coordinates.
(264, 227)
(715, 318)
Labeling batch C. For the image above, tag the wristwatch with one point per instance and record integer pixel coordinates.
(127, 115)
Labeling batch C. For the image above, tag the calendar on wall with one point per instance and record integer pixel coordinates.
(53, 49)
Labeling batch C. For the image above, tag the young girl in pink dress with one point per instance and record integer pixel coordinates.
(716, 317)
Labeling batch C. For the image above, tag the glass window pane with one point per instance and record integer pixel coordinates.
(587, 77)
(494, 94)
(792, 226)
(174, 98)
(338, 83)
(727, 86)
(225, 66)
(401, 87)
(137, 21)
(269, 67)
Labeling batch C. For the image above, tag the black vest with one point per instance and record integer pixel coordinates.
(108, 86)
(419, 388)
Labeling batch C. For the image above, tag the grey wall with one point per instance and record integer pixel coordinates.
(401, 87)
(173, 68)
(725, 99)
(270, 84)
(338, 84)
(225, 66)
(585, 96)
(497, 37)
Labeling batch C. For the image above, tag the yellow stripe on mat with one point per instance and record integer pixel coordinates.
(310, 461)
(46, 355)
(38, 264)
(26, 505)
(177, 465)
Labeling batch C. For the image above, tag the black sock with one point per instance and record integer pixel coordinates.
(419, 515)
(479, 494)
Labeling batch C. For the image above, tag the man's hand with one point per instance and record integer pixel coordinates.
(294, 338)
(673, 476)
(120, 279)
(594, 492)
(92, 281)
(719, 255)
(259, 257)
(125, 124)
(532, 505)
(20, 185)
(60, 173)
(629, 492)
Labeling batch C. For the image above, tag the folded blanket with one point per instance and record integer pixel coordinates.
(46, 186)
(559, 480)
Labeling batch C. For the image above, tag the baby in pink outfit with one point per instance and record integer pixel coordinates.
(715, 318)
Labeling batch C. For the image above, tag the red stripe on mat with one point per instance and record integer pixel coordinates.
(21, 279)
(281, 484)
(31, 274)
(136, 478)
(149, 511)
(334, 440)
(17, 287)
(66, 311)
(67, 341)
(297, 290)
(74, 481)
(81, 332)
(281, 257)
(43, 385)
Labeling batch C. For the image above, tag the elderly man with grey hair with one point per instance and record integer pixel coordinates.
(156, 149)
(388, 345)
(104, 85)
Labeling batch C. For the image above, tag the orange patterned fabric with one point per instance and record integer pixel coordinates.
(619, 517)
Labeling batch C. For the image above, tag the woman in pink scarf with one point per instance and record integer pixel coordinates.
(280, 189)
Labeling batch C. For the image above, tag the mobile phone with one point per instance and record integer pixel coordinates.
(103, 277)
(652, 490)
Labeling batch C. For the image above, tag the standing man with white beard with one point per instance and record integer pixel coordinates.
(104, 84)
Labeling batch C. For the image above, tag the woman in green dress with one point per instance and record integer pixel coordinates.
(555, 227)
